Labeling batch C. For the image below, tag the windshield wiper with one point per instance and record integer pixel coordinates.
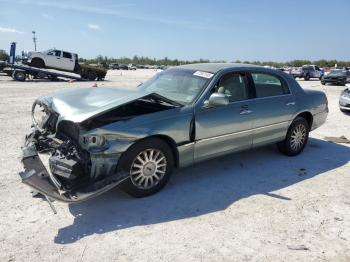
(159, 99)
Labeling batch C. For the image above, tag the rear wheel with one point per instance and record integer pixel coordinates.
(307, 78)
(91, 75)
(149, 164)
(296, 138)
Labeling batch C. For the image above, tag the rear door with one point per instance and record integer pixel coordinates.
(274, 107)
(68, 61)
(225, 129)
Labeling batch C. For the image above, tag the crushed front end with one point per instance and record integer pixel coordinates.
(61, 163)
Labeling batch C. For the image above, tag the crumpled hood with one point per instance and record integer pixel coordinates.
(80, 104)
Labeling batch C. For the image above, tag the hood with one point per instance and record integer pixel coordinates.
(336, 74)
(80, 104)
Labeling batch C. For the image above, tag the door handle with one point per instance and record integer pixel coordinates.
(290, 104)
(246, 112)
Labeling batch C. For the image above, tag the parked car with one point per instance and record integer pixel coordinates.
(123, 67)
(344, 100)
(97, 138)
(114, 66)
(131, 67)
(295, 72)
(336, 76)
(3, 64)
(311, 71)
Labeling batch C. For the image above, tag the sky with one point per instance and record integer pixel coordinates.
(265, 30)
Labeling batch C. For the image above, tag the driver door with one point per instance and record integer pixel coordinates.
(224, 129)
(53, 58)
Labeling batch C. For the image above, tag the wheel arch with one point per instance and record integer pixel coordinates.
(307, 116)
(38, 59)
(171, 143)
(168, 140)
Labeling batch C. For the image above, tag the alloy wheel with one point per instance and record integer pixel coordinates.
(148, 168)
(298, 137)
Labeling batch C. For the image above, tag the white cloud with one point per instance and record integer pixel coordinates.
(9, 30)
(94, 27)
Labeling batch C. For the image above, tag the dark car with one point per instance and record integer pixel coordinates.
(337, 77)
(311, 71)
(114, 66)
(123, 67)
(2, 65)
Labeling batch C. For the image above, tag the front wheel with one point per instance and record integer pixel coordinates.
(296, 138)
(149, 164)
(307, 78)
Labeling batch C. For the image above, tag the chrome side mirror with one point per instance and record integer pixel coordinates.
(216, 100)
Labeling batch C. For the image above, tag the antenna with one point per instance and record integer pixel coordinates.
(34, 40)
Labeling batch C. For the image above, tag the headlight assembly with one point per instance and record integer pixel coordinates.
(94, 141)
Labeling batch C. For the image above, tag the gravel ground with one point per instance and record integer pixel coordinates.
(255, 206)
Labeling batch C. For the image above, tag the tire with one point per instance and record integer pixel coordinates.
(91, 75)
(323, 83)
(307, 78)
(19, 75)
(37, 63)
(136, 185)
(299, 129)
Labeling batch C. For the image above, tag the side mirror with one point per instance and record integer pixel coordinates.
(216, 100)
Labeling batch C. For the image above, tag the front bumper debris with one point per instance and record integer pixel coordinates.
(39, 178)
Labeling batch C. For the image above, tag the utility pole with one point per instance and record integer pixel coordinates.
(34, 40)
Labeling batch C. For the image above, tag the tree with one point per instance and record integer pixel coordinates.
(3, 55)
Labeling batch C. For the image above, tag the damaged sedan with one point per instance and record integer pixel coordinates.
(86, 141)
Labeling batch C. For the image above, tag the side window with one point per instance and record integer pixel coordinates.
(268, 85)
(50, 53)
(57, 53)
(233, 85)
(67, 55)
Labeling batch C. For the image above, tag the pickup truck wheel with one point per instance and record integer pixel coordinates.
(19, 75)
(149, 164)
(37, 63)
(323, 83)
(296, 138)
(307, 78)
(91, 75)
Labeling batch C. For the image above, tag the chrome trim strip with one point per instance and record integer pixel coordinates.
(239, 132)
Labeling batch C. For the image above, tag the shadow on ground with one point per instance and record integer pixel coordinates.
(205, 188)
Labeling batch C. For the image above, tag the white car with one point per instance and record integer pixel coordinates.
(56, 59)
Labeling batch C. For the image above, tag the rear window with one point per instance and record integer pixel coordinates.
(67, 55)
(267, 85)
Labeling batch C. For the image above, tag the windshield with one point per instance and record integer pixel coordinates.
(179, 85)
(338, 72)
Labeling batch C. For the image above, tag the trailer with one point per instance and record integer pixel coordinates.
(21, 72)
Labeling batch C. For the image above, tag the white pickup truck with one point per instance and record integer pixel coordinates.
(56, 59)
(64, 61)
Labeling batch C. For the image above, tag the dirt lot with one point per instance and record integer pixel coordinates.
(257, 205)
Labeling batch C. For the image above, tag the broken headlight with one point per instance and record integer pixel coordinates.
(40, 115)
(94, 141)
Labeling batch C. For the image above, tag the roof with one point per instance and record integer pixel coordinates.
(215, 67)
